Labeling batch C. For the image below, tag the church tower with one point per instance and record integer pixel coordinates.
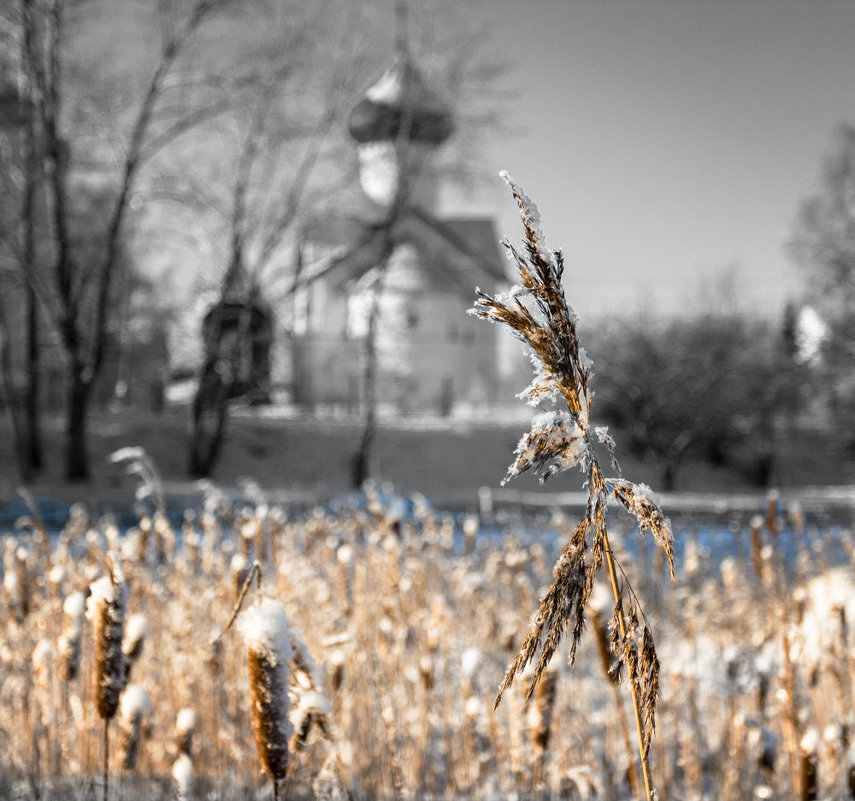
(398, 125)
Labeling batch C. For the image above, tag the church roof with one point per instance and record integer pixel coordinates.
(400, 102)
(456, 252)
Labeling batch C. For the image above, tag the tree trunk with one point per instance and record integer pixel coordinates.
(10, 397)
(210, 412)
(33, 177)
(216, 384)
(361, 464)
(76, 453)
(669, 475)
(33, 444)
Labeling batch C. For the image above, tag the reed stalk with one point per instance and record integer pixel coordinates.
(634, 690)
(537, 313)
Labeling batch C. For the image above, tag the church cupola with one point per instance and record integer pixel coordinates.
(397, 125)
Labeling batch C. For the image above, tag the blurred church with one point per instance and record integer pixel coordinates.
(383, 297)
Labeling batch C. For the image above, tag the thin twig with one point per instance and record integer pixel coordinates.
(254, 571)
(106, 756)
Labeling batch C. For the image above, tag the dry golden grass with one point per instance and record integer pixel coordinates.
(407, 644)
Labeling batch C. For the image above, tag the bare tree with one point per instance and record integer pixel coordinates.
(823, 243)
(81, 290)
(282, 140)
(21, 228)
(708, 387)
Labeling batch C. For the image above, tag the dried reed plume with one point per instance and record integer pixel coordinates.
(138, 463)
(538, 314)
(541, 720)
(16, 578)
(266, 633)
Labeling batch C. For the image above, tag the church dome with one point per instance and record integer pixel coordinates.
(401, 103)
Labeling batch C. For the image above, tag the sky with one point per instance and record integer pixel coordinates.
(668, 143)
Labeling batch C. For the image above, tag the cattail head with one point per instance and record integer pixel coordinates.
(182, 772)
(265, 630)
(312, 708)
(135, 707)
(772, 500)
(248, 530)
(69, 641)
(336, 661)
(135, 633)
(470, 532)
(471, 662)
(106, 609)
(44, 658)
(809, 747)
(23, 582)
(239, 569)
(164, 538)
(541, 712)
(143, 538)
(185, 725)
(56, 577)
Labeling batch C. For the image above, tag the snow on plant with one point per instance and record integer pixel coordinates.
(135, 706)
(537, 313)
(185, 726)
(73, 608)
(105, 607)
(268, 643)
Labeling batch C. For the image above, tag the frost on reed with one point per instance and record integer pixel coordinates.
(106, 609)
(537, 313)
(265, 630)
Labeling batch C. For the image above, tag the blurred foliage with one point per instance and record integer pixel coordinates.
(824, 244)
(717, 386)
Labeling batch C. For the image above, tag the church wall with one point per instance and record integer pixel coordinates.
(431, 355)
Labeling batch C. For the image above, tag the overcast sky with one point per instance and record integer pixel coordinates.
(667, 141)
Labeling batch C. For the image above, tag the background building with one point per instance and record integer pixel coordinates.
(394, 284)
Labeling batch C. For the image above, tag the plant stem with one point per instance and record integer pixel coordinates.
(636, 706)
(106, 755)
